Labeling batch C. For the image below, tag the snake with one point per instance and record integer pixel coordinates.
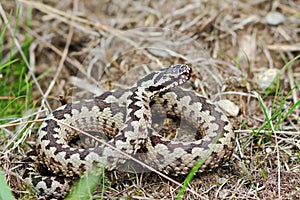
(124, 117)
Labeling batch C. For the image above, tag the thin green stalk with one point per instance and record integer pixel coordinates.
(5, 192)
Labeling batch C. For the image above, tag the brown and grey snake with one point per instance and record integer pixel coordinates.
(124, 116)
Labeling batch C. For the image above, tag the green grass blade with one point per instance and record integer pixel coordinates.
(289, 63)
(291, 110)
(86, 185)
(264, 109)
(7, 64)
(5, 193)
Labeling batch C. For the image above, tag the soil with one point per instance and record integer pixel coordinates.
(83, 48)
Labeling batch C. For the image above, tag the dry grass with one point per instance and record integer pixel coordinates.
(88, 47)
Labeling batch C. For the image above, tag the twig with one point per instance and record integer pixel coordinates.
(63, 58)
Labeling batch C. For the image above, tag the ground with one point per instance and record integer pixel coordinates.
(78, 49)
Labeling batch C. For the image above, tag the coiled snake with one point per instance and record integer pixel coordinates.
(106, 114)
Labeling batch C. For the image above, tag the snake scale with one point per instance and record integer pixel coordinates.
(124, 116)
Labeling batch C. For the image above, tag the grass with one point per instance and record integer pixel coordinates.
(16, 93)
(87, 185)
(5, 192)
(275, 112)
(275, 116)
(280, 108)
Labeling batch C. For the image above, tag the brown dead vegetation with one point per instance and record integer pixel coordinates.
(87, 47)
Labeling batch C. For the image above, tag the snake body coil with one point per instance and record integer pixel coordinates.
(125, 117)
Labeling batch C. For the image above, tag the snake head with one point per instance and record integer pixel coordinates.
(179, 73)
(164, 79)
(171, 77)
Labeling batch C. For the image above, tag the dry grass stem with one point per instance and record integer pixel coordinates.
(78, 49)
